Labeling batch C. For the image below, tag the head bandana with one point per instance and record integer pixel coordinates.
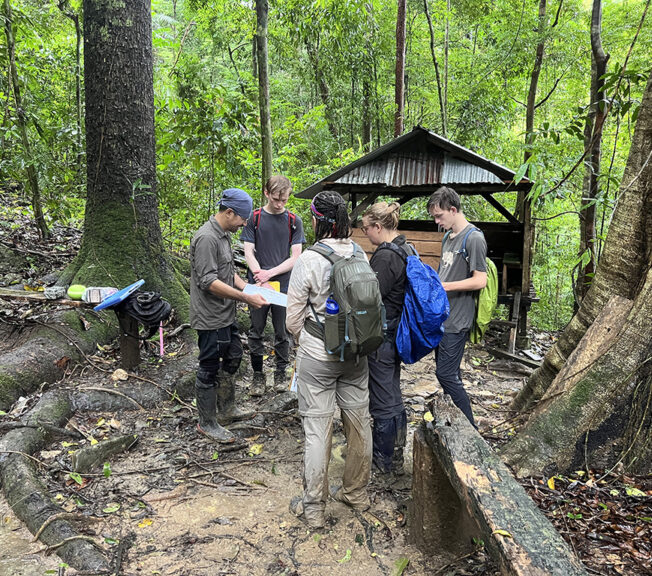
(319, 216)
(238, 200)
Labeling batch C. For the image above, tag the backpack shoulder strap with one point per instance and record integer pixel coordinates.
(256, 219)
(326, 251)
(466, 255)
(402, 251)
(292, 224)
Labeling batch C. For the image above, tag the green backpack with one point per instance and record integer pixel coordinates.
(358, 327)
(485, 299)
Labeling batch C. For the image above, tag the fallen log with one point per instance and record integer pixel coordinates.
(472, 493)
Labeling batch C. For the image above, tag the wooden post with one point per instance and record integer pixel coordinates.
(129, 346)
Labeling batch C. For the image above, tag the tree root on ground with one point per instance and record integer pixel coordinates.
(27, 494)
(49, 350)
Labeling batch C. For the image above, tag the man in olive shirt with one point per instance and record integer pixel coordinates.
(214, 288)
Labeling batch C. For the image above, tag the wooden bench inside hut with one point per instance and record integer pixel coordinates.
(414, 166)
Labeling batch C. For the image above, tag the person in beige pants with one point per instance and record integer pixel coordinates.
(322, 380)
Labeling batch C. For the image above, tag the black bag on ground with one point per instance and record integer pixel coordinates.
(148, 308)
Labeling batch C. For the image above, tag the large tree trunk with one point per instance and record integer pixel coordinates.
(21, 121)
(593, 150)
(625, 260)
(122, 239)
(399, 86)
(592, 395)
(262, 9)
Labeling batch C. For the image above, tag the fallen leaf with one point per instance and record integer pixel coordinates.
(347, 556)
(503, 533)
(146, 522)
(111, 508)
(428, 417)
(631, 491)
(119, 375)
(255, 449)
(400, 565)
(62, 363)
(551, 482)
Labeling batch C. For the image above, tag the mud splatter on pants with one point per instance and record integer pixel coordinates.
(321, 385)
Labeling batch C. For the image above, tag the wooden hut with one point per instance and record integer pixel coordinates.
(415, 165)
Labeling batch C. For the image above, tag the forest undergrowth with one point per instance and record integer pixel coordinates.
(175, 504)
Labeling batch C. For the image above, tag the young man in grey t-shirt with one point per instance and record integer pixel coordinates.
(273, 239)
(461, 274)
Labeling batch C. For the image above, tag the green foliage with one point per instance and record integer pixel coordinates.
(331, 66)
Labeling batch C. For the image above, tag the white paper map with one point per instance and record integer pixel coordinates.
(272, 296)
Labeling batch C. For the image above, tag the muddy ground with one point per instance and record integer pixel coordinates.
(176, 504)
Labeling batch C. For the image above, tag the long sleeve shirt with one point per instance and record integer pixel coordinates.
(310, 282)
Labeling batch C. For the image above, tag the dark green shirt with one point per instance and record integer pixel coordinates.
(211, 258)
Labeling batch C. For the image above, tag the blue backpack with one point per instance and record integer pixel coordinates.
(425, 307)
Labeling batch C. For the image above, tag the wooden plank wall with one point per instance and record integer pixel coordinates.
(428, 244)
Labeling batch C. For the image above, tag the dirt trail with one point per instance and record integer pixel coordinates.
(178, 505)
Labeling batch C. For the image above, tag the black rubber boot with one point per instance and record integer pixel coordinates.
(227, 411)
(207, 408)
(399, 444)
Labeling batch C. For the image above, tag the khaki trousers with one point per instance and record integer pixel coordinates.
(320, 386)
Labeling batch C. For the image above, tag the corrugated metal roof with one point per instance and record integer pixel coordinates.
(420, 158)
(456, 171)
(413, 168)
(397, 169)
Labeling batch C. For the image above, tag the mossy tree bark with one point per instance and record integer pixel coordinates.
(122, 239)
(599, 406)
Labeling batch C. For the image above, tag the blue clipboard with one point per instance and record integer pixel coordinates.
(119, 296)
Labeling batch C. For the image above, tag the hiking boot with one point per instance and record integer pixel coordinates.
(227, 410)
(381, 479)
(281, 380)
(207, 409)
(315, 520)
(337, 494)
(257, 387)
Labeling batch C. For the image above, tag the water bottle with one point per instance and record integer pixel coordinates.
(332, 325)
(332, 307)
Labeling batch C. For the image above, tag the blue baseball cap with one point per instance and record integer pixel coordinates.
(239, 201)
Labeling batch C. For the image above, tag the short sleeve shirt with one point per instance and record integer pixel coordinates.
(453, 267)
(211, 258)
(272, 241)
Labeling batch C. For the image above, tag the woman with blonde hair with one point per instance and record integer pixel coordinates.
(380, 225)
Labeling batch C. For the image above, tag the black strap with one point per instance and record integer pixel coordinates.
(404, 250)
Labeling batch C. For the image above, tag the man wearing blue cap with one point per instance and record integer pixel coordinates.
(214, 289)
